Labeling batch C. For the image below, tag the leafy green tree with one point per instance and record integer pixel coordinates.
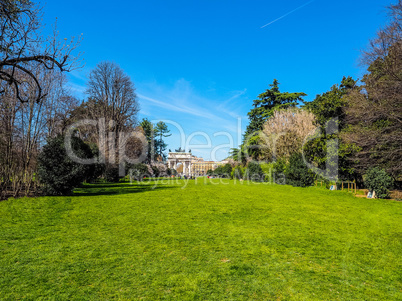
(57, 172)
(171, 172)
(254, 172)
(375, 108)
(332, 104)
(237, 173)
(263, 107)
(155, 171)
(112, 174)
(161, 131)
(331, 107)
(149, 132)
(238, 155)
(278, 171)
(297, 173)
(218, 171)
(223, 171)
(98, 169)
(138, 171)
(269, 101)
(379, 181)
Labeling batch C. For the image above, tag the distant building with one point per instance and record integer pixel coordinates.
(189, 165)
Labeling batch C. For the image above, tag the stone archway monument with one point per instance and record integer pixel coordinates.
(180, 156)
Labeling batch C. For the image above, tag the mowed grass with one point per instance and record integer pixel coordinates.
(235, 241)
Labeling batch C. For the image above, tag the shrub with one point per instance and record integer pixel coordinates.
(278, 171)
(171, 172)
(226, 170)
(155, 171)
(223, 171)
(297, 174)
(139, 171)
(57, 172)
(268, 169)
(254, 172)
(112, 174)
(377, 179)
(98, 169)
(237, 173)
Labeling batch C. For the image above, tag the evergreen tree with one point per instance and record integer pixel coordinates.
(161, 131)
(57, 172)
(149, 133)
(327, 106)
(297, 173)
(267, 102)
(254, 172)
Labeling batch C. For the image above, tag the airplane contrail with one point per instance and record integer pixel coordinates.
(287, 14)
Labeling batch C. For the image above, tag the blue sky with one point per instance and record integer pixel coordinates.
(198, 65)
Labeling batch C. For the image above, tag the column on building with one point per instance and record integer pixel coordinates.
(189, 168)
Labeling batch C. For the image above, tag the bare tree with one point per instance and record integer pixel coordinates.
(24, 126)
(21, 44)
(374, 110)
(387, 45)
(114, 96)
(113, 105)
(283, 134)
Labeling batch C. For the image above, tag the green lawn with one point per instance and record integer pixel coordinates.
(234, 241)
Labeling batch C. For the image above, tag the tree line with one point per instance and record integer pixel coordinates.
(38, 110)
(356, 126)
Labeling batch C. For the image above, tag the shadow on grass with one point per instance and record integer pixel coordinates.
(118, 188)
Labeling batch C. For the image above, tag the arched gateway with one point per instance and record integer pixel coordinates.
(192, 165)
(180, 156)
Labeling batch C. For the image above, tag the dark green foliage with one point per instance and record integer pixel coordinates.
(218, 171)
(97, 169)
(254, 172)
(332, 104)
(171, 172)
(161, 131)
(155, 134)
(297, 174)
(377, 179)
(139, 171)
(112, 174)
(227, 170)
(251, 147)
(263, 107)
(224, 171)
(279, 168)
(57, 172)
(155, 171)
(237, 173)
(375, 108)
(267, 102)
(210, 172)
(329, 110)
(149, 133)
(238, 155)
